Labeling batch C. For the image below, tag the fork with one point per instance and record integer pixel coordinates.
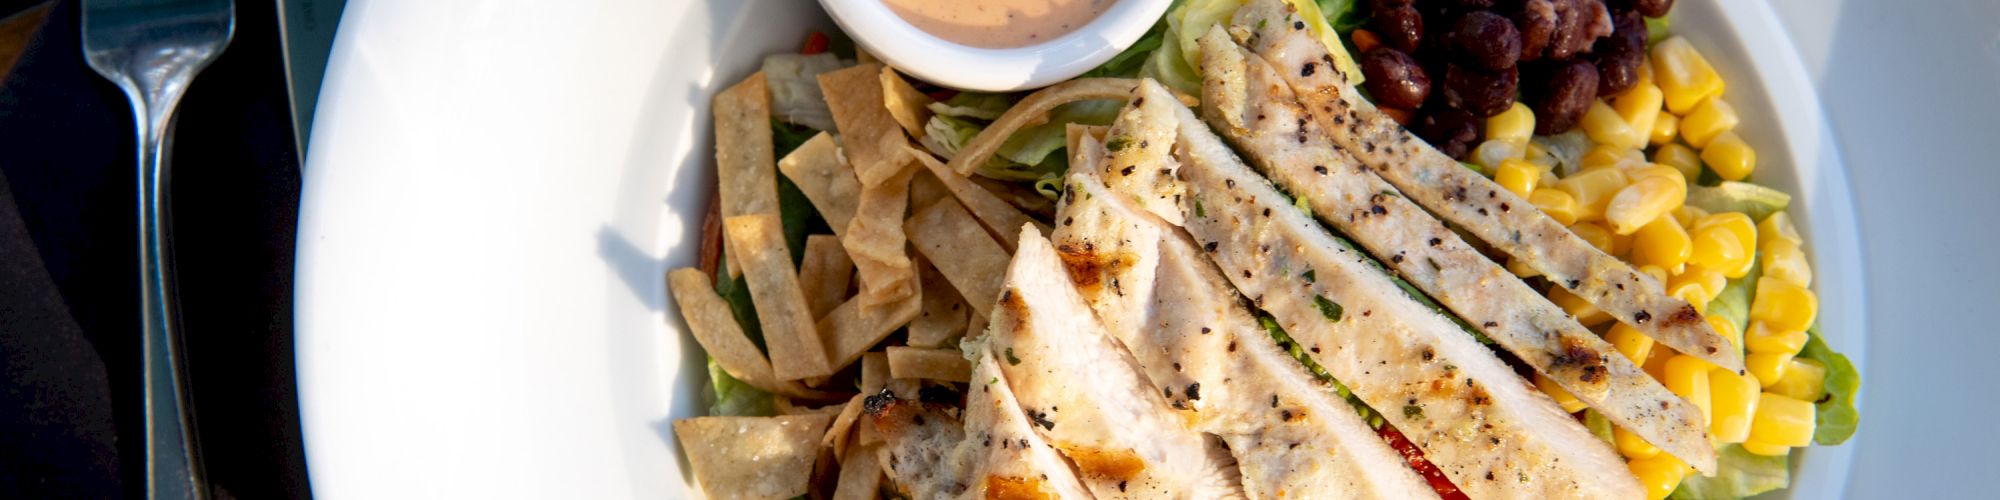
(152, 50)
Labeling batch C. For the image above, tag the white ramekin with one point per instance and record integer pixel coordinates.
(913, 51)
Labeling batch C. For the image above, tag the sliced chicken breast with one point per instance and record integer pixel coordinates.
(1481, 424)
(1289, 432)
(1247, 102)
(995, 454)
(1467, 199)
(1088, 398)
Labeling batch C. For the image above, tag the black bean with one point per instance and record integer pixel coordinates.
(1537, 23)
(1395, 79)
(1486, 40)
(1563, 41)
(1479, 92)
(1400, 27)
(1563, 96)
(1452, 131)
(1618, 60)
(1653, 8)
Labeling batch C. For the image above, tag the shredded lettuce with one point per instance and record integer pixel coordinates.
(794, 84)
(734, 398)
(1128, 62)
(1730, 196)
(1739, 474)
(1032, 145)
(973, 105)
(945, 135)
(1836, 416)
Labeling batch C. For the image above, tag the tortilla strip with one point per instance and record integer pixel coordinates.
(714, 327)
(817, 168)
(875, 241)
(752, 457)
(796, 352)
(869, 135)
(1034, 110)
(1002, 220)
(1472, 201)
(925, 189)
(843, 424)
(943, 314)
(860, 473)
(825, 273)
(910, 108)
(961, 251)
(852, 330)
(930, 364)
(744, 154)
(874, 378)
(1248, 103)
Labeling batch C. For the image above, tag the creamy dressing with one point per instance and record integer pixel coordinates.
(998, 24)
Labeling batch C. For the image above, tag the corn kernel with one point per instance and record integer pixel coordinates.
(1659, 474)
(1717, 247)
(1727, 329)
(1779, 226)
(1631, 445)
(1735, 400)
(1783, 304)
(1593, 189)
(1784, 260)
(1548, 178)
(1640, 107)
(1665, 128)
(1769, 450)
(1767, 367)
(1662, 243)
(1659, 274)
(1609, 155)
(1687, 376)
(1688, 215)
(1595, 234)
(1605, 126)
(1493, 152)
(1782, 420)
(1584, 312)
(1521, 269)
(1730, 157)
(1804, 380)
(1557, 204)
(1629, 342)
(1763, 338)
(1517, 122)
(1680, 157)
(1650, 197)
(1519, 177)
(1656, 362)
(1621, 246)
(1683, 74)
(1563, 398)
(1707, 121)
(1697, 285)
(1745, 233)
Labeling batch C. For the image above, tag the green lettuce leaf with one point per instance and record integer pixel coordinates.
(1128, 62)
(1292, 347)
(1342, 15)
(1836, 416)
(973, 105)
(734, 398)
(1032, 145)
(1731, 196)
(1734, 301)
(1738, 474)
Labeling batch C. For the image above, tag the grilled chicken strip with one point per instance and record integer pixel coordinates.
(996, 454)
(1273, 31)
(1086, 396)
(1482, 425)
(1289, 432)
(1247, 102)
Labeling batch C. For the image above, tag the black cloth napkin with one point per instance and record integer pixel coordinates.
(70, 410)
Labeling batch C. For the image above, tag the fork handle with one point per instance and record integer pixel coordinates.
(173, 468)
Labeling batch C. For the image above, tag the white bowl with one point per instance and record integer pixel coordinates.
(943, 62)
(488, 218)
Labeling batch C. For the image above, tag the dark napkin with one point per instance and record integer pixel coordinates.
(70, 412)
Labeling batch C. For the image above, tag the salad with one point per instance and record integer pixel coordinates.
(1456, 249)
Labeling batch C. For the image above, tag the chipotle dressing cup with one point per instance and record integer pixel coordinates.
(953, 44)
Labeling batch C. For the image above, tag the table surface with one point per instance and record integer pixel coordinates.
(1907, 88)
